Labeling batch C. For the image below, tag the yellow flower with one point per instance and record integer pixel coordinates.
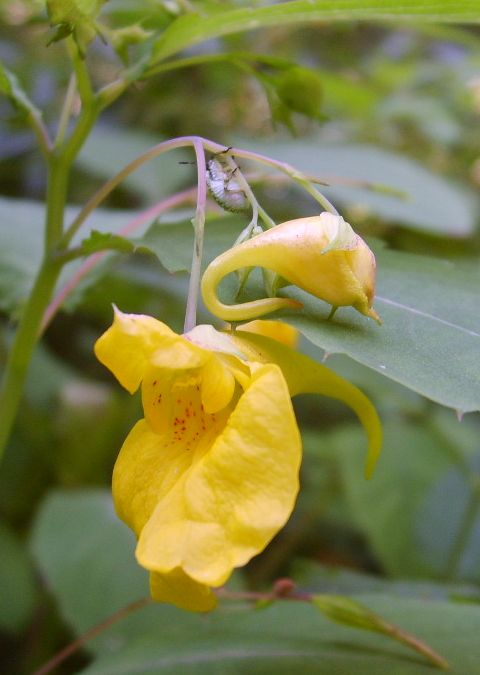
(322, 255)
(210, 475)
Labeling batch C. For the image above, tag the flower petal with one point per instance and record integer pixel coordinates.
(230, 504)
(306, 376)
(277, 330)
(218, 385)
(180, 590)
(126, 347)
(146, 469)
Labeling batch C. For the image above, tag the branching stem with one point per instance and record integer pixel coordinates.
(283, 589)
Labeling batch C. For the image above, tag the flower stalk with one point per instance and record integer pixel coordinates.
(198, 229)
(57, 239)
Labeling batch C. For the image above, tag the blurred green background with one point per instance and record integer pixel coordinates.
(393, 104)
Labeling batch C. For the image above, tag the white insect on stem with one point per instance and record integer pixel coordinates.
(224, 187)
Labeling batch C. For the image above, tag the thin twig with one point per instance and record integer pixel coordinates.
(181, 142)
(112, 183)
(199, 228)
(91, 633)
(291, 171)
(41, 132)
(93, 260)
(283, 589)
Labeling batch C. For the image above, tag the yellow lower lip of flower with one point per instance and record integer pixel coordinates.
(210, 475)
(178, 589)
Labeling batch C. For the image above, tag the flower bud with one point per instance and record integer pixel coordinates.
(321, 255)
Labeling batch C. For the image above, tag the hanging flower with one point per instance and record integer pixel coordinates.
(321, 255)
(210, 474)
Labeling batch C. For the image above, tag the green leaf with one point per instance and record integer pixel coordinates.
(430, 337)
(192, 29)
(456, 554)
(86, 558)
(348, 581)
(106, 241)
(431, 203)
(18, 591)
(287, 637)
(86, 554)
(392, 509)
(10, 87)
(21, 245)
(172, 243)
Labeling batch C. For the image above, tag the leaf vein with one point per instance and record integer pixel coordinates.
(426, 315)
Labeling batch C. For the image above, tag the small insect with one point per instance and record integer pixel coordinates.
(224, 187)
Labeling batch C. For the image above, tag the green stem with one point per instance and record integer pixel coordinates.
(82, 75)
(59, 162)
(296, 175)
(85, 123)
(28, 329)
(234, 58)
(316, 194)
(22, 348)
(57, 184)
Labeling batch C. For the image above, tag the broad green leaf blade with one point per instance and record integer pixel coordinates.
(456, 554)
(430, 337)
(172, 243)
(191, 29)
(289, 637)
(417, 461)
(347, 581)
(431, 203)
(86, 557)
(18, 591)
(21, 244)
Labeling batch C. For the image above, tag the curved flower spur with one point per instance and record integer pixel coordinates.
(321, 255)
(210, 475)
